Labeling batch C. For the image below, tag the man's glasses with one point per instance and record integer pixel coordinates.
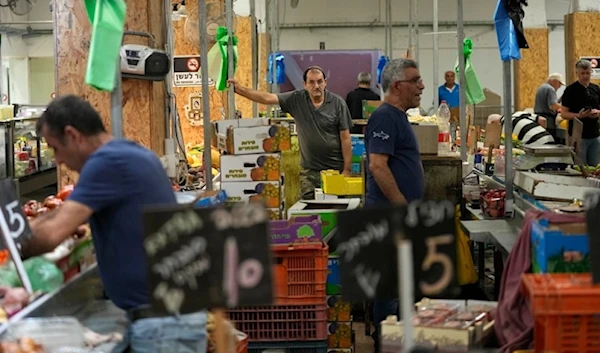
(414, 81)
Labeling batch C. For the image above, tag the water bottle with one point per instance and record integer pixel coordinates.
(443, 117)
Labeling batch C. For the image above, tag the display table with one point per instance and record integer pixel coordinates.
(83, 299)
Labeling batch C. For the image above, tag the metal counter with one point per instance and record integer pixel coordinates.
(443, 177)
(83, 299)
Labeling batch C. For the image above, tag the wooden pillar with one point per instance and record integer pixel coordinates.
(143, 101)
(532, 70)
(580, 41)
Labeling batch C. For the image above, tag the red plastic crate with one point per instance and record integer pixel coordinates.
(566, 310)
(300, 274)
(281, 322)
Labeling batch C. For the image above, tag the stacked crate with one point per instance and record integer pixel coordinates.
(297, 323)
(339, 317)
(251, 161)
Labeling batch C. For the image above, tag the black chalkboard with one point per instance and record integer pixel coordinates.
(208, 257)
(366, 246)
(592, 214)
(12, 219)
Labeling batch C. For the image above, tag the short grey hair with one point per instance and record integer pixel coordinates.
(364, 77)
(394, 71)
(583, 65)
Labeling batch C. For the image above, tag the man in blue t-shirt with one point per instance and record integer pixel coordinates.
(117, 178)
(395, 171)
(449, 92)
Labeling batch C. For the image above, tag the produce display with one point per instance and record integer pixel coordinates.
(592, 171)
(24, 345)
(492, 202)
(447, 315)
(423, 119)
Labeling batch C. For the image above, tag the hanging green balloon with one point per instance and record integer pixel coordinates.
(218, 59)
(108, 22)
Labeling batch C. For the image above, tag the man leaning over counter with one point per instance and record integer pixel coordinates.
(323, 122)
(395, 171)
(117, 178)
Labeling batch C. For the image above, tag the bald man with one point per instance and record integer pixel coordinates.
(450, 93)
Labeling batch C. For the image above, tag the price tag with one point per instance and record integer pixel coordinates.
(592, 215)
(13, 221)
(367, 248)
(205, 258)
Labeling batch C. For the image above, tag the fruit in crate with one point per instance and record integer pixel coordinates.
(492, 202)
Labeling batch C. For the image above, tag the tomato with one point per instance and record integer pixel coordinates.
(65, 192)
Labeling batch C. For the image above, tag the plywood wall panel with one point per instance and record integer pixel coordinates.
(187, 43)
(143, 101)
(580, 40)
(532, 70)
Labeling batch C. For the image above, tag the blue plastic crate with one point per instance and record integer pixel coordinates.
(289, 347)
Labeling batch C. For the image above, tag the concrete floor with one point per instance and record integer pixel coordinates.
(362, 343)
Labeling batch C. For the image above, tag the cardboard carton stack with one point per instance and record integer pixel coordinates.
(251, 161)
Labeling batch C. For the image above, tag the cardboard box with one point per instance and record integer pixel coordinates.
(270, 193)
(558, 249)
(368, 107)
(299, 229)
(250, 136)
(334, 284)
(339, 335)
(251, 167)
(338, 310)
(327, 210)
(427, 136)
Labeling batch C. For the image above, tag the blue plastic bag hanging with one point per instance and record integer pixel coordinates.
(108, 22)
(507, 36)
(279, 68)
(383, 60)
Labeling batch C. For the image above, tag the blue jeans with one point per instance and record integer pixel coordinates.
(590, 151)
(172, 334)
(381, 310)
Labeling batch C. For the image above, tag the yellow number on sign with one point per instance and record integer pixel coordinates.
(434, 257)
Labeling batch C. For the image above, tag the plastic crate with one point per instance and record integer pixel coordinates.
(300, 273)
(289, 347)
(281, 322)
(566, 310)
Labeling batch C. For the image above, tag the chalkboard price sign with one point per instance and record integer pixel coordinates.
(13, 222)
(367, 248)
(203, 258)
(592, 214)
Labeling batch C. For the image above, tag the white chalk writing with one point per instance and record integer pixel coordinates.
(244, 216)
(373, 232)
(429, 213)
(246, 274)
(180, 224)
(367, 280)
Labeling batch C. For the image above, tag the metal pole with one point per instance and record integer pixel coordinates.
(508, 129)
(205, 94)
(386, 27)
(411, 24)
(275, 49)
(416, 29)
(462, 81)
(390, 40)
(436, 58)
(116, 104)
(170, 106)
(407, 291)
(230, 71)
(269, 45)
(254, 44)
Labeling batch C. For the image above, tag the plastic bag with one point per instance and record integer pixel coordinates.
(464, 260)
(279, 69)
(507, 36)
(43, 275)
(218, 59)
(108, 22)
(473, 89)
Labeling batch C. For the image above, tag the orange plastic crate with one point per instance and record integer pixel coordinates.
(300, 274)
(566, 310)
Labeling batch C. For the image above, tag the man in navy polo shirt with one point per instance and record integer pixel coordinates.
(117, 179)
(395, 172)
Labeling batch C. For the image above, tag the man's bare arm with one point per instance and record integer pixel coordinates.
(566, 114)
(384, 178)
(346, 150)
(52, 229)
(253, 95)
